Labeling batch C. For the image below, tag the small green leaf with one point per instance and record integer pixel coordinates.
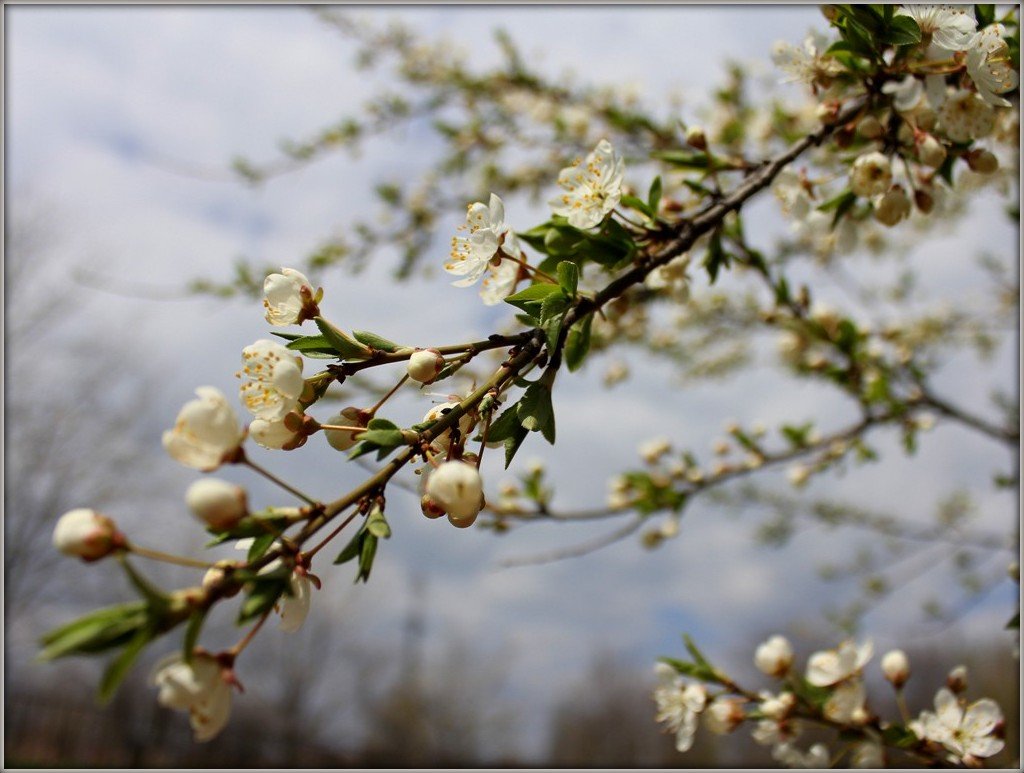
(638, 204)
(351, 550)
(260, 545)
(367, 552)
(192, 630)
(313, 346)
(266, 590)
(348, 348)
(97, 631)
(553, 306)
(375, 341)
(654, 195)
(985, 14)
(577, 344)
(513, 442)
(537, 292)
(502, 427)
(121, 665)
(568, 276)
(902, 31)
(534, 408)
(377, 525)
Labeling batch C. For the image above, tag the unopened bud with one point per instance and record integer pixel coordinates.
(462, 523)
(893, 207)
(219, 504)
(430, 508)
(924, 201)
(424, 365)
(931, 152)
(870, 128)
(458, 488)
(344, 439)
(982, 161)
(896, 667)
(87, 534)
(695, 138)
(956, 680)
(774, 656)
(724, 715)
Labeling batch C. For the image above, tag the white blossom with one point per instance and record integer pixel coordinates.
(487, 233)
(988, 64)
(931, 152)
(770, 732)
(790, 756)
(85, 533)
(964, 116)
(892, 207)
(871, 174)
(798, 475)
(896, 667)
(458, 488)
(465, 422)
(198, 688)
(500, 282)
(846, 703)
(774, 656)
(341, 439)
(288, 298)
(805, 64)
(951, 27)
(791, 191)
(776, 706)
(724, 715)
(592, 187)
(962, 731)
(216, 502)
(278, 434)
(206, 432)
(830, 667)
(673, 277)
(424, 365)
(652, 450)
(906, 93)
(274, 382)
(678, 706)
(293, 609)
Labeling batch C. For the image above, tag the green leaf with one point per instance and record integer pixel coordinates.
(351, 550)
(502, 427)
(192, 630)
(377, 525)
(121, 665)
(695, 653)
(534, 408)
(513, 442)
(348, 348)
(382, 438)
(552, 306)
(577, 344)
(260, 545)
(154, 596)
(985, 14)
(902, 31)
(97, 631)
(375, 341)
(654, 195)
(638, 204)
(716, 257)
(367, 552)
(551, 330)
(684, 158)
(568, 276)
(313, 346)
(266, 590)
(537, 292)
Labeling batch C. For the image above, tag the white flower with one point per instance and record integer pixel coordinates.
(275, 380)
(846, 703)
(808, 64)
(776, 706)
(798, 475)
(85, 533)
(791, 191)
(438, 412)
(963, 732)
(906, 93)
(488, 232)
(871, 174)
(216, 502)
(964, 116)
(288, 298)
(277, 435)
(500, 282)
(198, 688)
(293, 609)
(832, 666)
(678, 706)
(770, 732)
(592, 189)
(896, 667)
(206, 433)
(652, 450)
(892, 207)
(673, 276)
(724, 715)
(950, 27)
(774, 656)
(458, 488)
(931, 152)
(790, 756)
(424, 365)
(988, 64)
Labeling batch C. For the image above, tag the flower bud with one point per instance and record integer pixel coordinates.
(774, 656)
(982, 161)
(925, 201)
(870, 128)
(430, 508)
(341, 439)
(462, 523)
(86, 534)
(956, 679)
(724, 715)
(931, 152)
(219, 504)
(458, 488)
(798, 475)
(695, 138)
(896, 667)
(424, 365)
(893, 207)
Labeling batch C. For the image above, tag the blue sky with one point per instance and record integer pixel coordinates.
(101, 102)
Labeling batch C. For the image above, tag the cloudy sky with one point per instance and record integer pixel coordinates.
(108, 109)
